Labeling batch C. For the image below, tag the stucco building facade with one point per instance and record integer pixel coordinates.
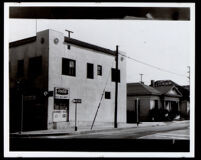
(55, 70)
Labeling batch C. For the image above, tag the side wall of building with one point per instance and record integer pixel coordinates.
(89, 90)
(34, 104)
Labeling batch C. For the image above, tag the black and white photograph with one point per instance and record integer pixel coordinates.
(99, 79)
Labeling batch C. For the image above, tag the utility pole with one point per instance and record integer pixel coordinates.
(141, 77)
(116, 89)
(137, 112)
(69, 32)
(188, 74)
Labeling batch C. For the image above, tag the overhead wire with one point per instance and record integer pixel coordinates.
(150, 65)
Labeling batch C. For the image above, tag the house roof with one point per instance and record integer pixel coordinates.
(165, 89)
(68, 40)
(141, 89)
(165, 85)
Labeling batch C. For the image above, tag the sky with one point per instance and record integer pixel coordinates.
(165, 44)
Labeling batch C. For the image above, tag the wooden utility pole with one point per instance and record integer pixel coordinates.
(116, 89)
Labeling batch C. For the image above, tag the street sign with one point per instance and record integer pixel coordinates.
(77, 100)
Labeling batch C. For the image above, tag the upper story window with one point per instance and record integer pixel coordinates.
(99, 70)
(35, 66)
(90, 70)
(68, 67)
(20, 68)
(115, 75)
(107, 95)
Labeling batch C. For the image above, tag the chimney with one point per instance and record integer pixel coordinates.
(152, 83)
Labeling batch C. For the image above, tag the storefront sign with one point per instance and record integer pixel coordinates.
(59, 116)
(61, 93)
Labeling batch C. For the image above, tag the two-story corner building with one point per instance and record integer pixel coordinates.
(52, 71)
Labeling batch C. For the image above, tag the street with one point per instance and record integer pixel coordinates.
(172, 137)
(134, 133)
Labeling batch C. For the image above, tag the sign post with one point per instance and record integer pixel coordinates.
(76, 101)
(75, 116)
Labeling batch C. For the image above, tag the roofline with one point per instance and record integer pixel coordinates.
(146, 94)
(143, 85)
(88, 45)
(67, 40)
(168, 95)
(22, 41)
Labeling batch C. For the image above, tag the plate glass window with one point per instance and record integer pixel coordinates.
(68, 67)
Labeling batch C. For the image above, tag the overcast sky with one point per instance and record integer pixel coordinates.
(165, 44)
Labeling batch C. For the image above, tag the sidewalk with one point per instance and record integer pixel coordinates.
(87, 129)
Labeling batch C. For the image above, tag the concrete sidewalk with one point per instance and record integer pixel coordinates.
(87, 129)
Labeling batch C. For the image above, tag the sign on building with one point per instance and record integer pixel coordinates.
(61, 93)
(59, 116)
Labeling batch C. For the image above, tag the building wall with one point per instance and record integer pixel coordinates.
(144, 105)
(89, 90)
(34, 112)
(26, 51)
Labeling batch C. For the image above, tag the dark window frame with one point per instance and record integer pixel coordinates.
(90, 70)
(99, 70)
(107, 95)
(69, 71)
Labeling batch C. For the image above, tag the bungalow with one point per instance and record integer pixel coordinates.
(184, 100)
(147, 103)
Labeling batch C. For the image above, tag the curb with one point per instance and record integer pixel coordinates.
(81, 132)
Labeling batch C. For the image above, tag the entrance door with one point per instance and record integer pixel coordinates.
(62, 104)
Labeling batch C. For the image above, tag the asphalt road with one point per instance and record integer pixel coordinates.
(141, 139)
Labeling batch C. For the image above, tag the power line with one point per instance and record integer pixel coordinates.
(150, 65)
